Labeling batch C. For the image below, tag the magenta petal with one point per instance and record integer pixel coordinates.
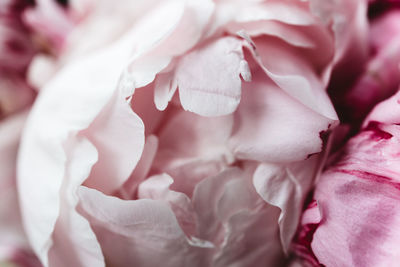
(357, 202)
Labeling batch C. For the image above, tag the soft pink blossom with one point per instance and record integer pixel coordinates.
(181, 133)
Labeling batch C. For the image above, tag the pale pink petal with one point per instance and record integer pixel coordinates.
(73, 241)
(252, 240)
(143, 105)
(141, 232)
(68, 104)
(238, 195)
(197, 133)
(270, 124)
(289, 33)
(158, 188)
(209, 78)
(349, 23)
(155, 51)
(188, 173)
(118, 135)
(288, 12)
(286, 187)
(206, 197)
(293, 73)
(102, 23)
(164, 89)
(230, 214)
(142, 168)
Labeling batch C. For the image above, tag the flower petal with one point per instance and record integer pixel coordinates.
(141, 232)
(209, 78)
(155, 52)
(158, 188)
(77, 247)
(294, 74)
(270, 124)
(118, 135)
(68, 104)
(286, 187)
(195, 132)
(357, 199)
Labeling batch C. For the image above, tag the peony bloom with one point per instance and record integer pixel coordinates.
(380, 76)
(355, 211)
(177, 132)
(16, 52)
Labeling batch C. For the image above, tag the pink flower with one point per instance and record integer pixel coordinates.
(379, 77)
(16, 52)
(355, 213)
(181, 133)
